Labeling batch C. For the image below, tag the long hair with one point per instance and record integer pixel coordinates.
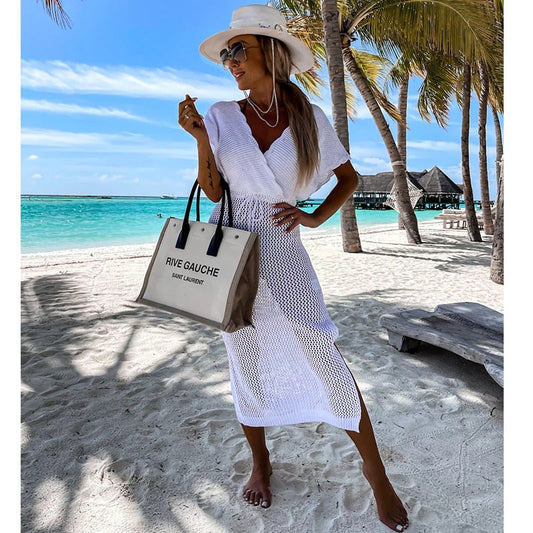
(300, 112)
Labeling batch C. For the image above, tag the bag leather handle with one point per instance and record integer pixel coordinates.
(216, 240)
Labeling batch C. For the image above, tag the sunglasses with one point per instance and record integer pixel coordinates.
(237, 52)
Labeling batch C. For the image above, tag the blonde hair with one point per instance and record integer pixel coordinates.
(300, 112)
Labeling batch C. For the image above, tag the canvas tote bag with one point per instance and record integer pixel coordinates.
(202, 271)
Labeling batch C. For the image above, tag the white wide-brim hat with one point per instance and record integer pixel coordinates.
(259, 20)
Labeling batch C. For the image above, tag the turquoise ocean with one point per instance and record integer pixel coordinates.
(52, 223)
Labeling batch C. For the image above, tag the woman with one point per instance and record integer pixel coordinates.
(274, 147)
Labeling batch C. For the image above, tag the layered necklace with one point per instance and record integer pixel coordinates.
(273, 101)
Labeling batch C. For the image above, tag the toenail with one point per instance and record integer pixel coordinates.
(399, 528)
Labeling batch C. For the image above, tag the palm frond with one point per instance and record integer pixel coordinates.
(56, 12)
(438, 86)
(310, 82)
(447, 25)
(374, 69)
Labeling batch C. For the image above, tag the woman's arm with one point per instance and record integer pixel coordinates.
(208, 175)
(347, 181)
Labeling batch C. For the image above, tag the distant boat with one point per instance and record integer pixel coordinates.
(169, 197)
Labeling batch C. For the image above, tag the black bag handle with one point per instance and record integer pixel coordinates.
(214, 245)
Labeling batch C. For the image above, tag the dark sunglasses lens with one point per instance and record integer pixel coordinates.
(236, 53)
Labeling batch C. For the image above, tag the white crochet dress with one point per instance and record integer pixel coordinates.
(286, 369)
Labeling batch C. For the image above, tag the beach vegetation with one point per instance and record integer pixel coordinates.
(332, 40)
(57, 13)
(434, 40)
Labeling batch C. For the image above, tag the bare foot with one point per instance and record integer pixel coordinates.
(390, 508)
(257, 490)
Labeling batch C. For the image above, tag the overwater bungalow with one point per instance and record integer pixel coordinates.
(439, 191)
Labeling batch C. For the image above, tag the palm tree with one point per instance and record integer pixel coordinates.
(56, 12)
(403, 201)
(496, 263)
(489, 87)
(470, 211)
(401, 128)
(498, 135)
(438, 84)
(392, 26)
(488, 226)
(496, 105)
(488, 77)
(350, 232)
(413, 27)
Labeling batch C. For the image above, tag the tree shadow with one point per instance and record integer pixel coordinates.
(447, 251)
(107, 440)
(94, 436)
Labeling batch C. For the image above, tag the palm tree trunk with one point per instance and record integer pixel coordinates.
(405, 208)
(349, 230)
(471, 220)
(496, 263)
(488, 226)
(499, 144)
(403, 91)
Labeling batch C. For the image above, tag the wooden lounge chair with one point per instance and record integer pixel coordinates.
(468, 329)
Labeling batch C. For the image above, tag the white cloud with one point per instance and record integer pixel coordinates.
(363, 113)
(326, 106)
(163, 83)
(107, 142)
(32, 157)
(438, 146)
(454, 172)
(37, 176)
(369, 150)
(63, 139)
(372, 165)
(55, 107)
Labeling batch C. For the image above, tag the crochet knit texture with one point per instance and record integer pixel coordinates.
(286, 369)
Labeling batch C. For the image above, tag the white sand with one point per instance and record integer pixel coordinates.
(128, 422)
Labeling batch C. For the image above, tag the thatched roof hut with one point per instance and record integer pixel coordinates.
(436, 182)
(440, 192)
(381, 183)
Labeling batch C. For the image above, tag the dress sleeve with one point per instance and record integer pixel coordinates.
(332, 153)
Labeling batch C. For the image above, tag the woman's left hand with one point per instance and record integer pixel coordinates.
(293, 216)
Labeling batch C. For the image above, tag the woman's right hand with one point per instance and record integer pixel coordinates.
(189, 118)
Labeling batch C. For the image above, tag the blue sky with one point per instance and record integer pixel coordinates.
(98, 102)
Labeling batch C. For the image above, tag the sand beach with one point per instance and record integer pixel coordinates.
(128, 423)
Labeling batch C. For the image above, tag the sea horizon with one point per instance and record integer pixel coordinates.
(53, 222)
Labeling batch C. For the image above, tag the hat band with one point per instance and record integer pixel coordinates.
(276, 27)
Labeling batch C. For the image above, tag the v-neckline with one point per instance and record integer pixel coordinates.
(252, 135)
